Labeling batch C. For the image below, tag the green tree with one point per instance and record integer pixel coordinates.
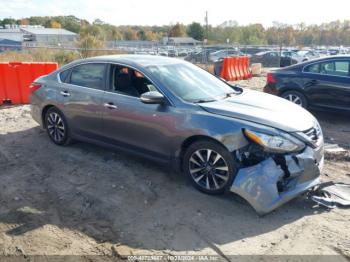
(130, 34)
(177, 30)
(196, 31)
(91, 37)
(8, 21)
(55, 24)
(332, 33)
(141, 35)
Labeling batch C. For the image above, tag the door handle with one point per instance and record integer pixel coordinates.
(65, 93)
(110, 106)
(313, 82)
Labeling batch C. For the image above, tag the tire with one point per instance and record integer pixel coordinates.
(57, 127)
(214, 176)
(296, 98)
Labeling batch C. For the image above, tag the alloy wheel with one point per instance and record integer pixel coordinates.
(56, 127)
(208, 169)
(294, 99)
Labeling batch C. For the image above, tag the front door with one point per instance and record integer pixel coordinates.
(131, 123)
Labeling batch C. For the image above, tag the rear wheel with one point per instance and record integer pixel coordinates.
(296, 98)
(56, 127)
(209, 166)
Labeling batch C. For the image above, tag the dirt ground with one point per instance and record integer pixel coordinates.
(89, 201)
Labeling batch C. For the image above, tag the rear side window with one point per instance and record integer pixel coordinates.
(335, 68)
(64, 76)
(314, 68)
(89, 75)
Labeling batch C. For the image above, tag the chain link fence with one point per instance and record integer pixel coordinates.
(208, 57)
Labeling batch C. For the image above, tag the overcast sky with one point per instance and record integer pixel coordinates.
(165, 12)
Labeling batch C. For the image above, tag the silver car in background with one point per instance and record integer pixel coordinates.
(222, 137)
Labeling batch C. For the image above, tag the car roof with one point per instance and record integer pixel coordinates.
(325, 58)
(131, 60)
(265, 52)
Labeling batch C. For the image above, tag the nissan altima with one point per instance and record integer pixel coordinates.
(222, 137)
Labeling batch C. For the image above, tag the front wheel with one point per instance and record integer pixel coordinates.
(296, 98)
(209, 166)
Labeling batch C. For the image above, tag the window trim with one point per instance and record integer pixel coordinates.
(68, 76)
(108, 64)
(108, 89)
(325, 61)
(109, 84)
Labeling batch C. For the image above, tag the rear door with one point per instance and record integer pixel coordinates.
(81, 94)
(328, 84)
(271, 59)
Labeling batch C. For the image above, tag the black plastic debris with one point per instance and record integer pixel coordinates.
(332, 195)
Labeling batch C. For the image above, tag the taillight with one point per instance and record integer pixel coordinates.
(270, 78)
(33, 87)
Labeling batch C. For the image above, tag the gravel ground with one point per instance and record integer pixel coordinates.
(89, 201)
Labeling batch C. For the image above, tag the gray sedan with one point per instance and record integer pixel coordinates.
(222, 137)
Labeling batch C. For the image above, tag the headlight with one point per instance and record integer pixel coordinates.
(281, 143)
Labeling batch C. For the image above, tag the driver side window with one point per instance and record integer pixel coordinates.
(127, 81)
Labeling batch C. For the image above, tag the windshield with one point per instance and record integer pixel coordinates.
(191, 83)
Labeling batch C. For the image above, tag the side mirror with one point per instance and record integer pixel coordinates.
(152, 97)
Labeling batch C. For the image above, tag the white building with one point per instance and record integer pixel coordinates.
(38, 35)
(180, 41)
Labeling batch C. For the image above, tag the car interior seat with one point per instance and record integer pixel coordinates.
(124, 84)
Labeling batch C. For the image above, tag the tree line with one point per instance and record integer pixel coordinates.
(98, 32)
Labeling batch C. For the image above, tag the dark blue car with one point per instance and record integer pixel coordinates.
(322, 83)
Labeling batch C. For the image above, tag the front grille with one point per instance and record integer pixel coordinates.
(312, 134)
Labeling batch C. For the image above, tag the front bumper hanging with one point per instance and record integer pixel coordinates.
(261, 184)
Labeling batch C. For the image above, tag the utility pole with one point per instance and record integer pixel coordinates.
(205, 42)
(206, 24)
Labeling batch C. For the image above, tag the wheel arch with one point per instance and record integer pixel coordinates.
(43, 113)
(294, 89)
(301, 91)
(192, 139)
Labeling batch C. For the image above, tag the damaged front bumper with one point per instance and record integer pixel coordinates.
(268, 185)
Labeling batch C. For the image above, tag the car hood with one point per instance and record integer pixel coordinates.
(264, 109)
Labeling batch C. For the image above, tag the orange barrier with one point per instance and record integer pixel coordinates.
(16, 77)
(247, 71)
(3, 94)
(232, 69)
(235, 68)
(225, 69)
(239, 68)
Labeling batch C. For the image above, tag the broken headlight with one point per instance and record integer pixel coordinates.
(279, 143)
